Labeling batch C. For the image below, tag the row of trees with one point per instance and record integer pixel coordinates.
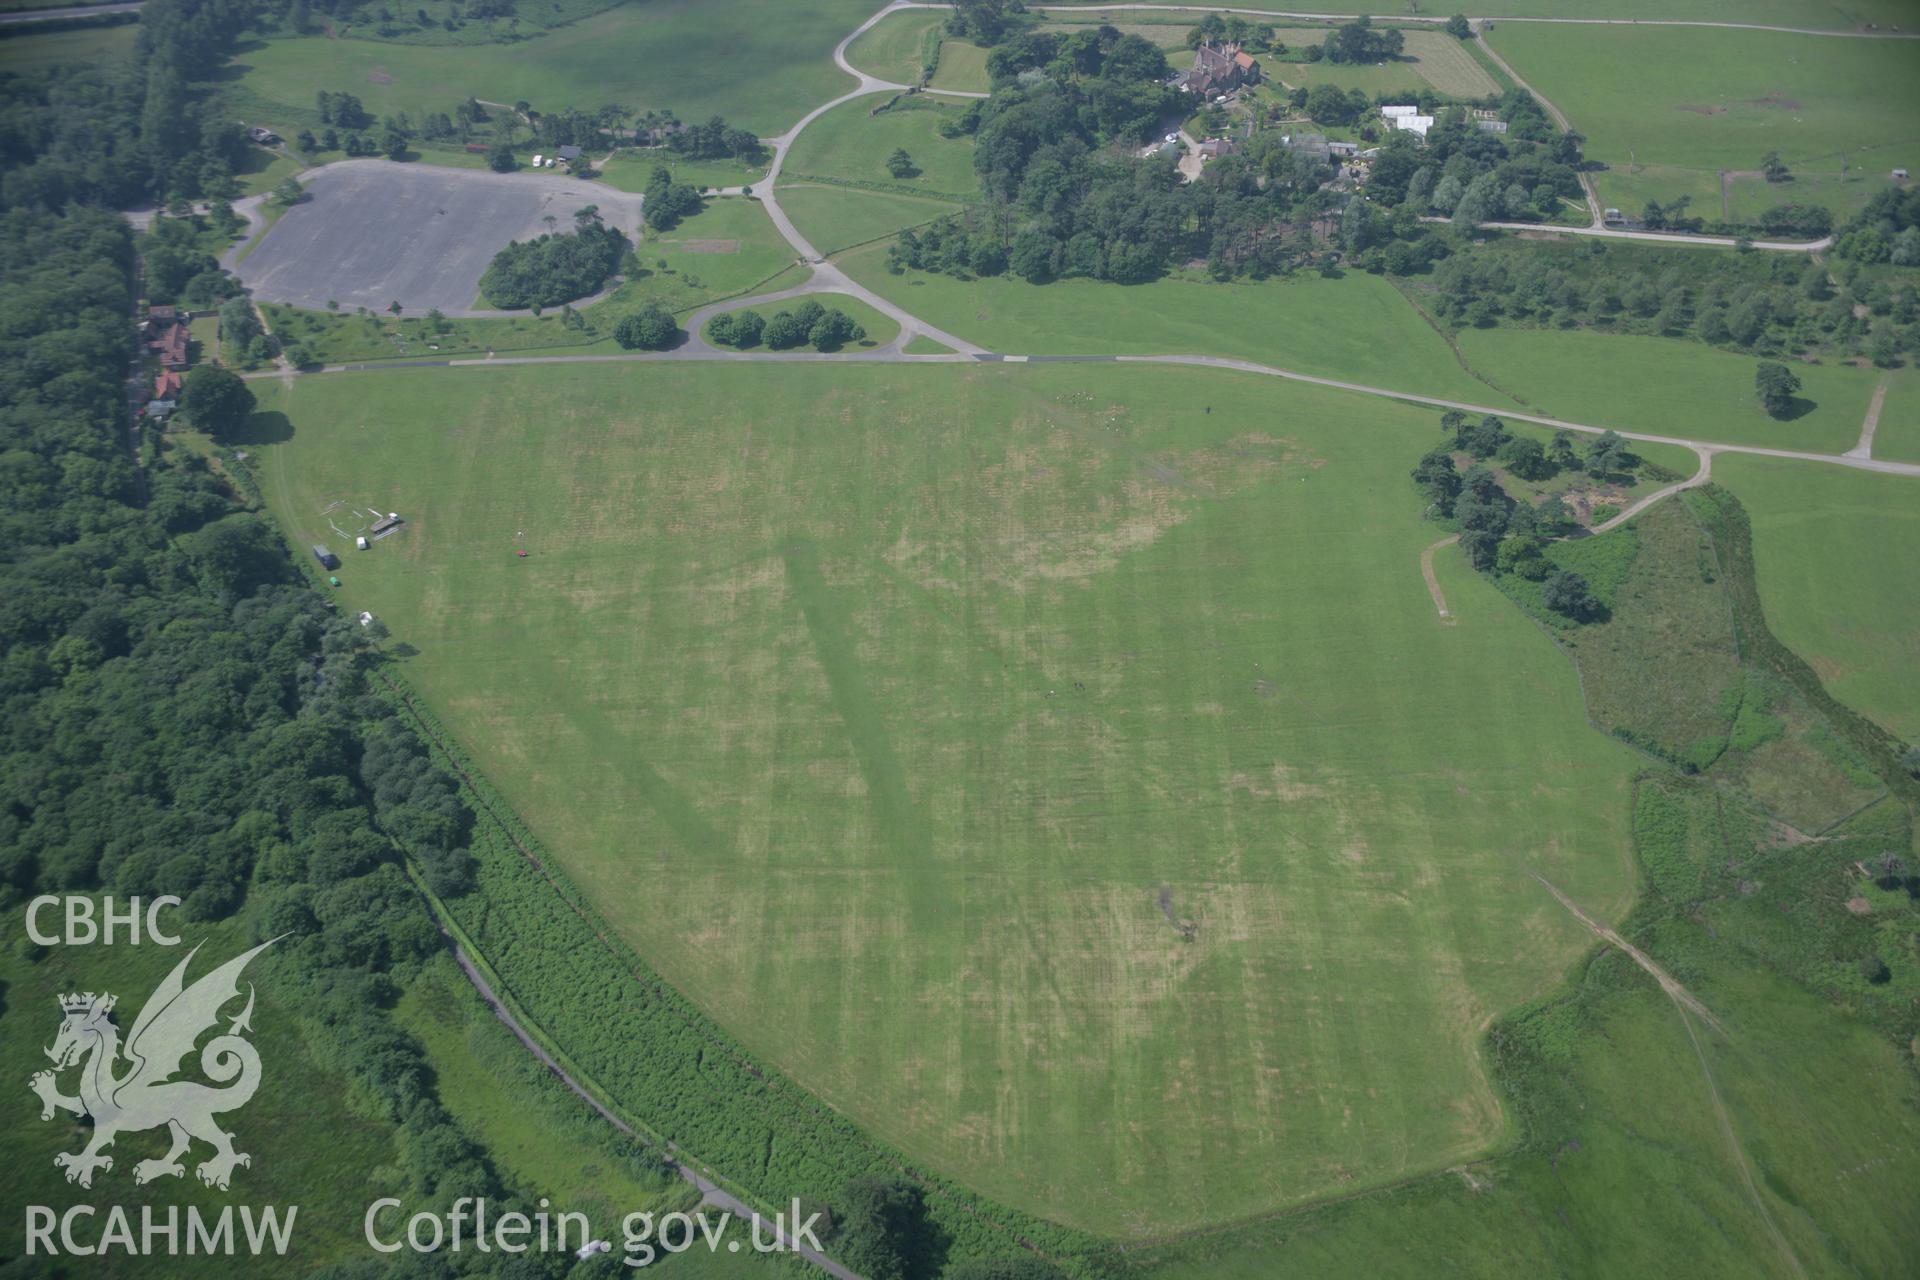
(809, 324)
(1773, 305)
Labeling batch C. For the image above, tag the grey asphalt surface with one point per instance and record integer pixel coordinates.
(371, 232)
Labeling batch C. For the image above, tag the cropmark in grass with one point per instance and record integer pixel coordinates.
(921, 691)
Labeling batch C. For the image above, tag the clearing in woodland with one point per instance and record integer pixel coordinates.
(1060, 771)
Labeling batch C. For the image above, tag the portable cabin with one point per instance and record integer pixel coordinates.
(327, 559)
(360, 543)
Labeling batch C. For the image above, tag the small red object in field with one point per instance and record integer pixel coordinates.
(521, 554)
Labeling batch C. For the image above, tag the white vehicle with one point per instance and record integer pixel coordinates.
(538, 160)
(361, 543)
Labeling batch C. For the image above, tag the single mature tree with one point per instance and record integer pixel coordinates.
(500, 157)
(1439, 480)
(1776, 385)
(1566, 593)
(288, 193)
(648, 329)
(216, 401)
(1459, 28)
(1526, 458)
(784, 331)
(1553, 516)
(1606, 455)
(1561, 453)
(1774, 169)
(1875, 970)
(900, 164)
(882, 1229)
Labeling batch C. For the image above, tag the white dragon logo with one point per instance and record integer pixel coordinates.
(146, 1097)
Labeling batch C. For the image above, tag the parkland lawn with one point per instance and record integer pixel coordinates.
(901, 716)
(894, 47)
(1356, 328)
(833, 218)
(760, 63)
(1664, 386)
(1834, 551)
(1700, 101)
(849, 145)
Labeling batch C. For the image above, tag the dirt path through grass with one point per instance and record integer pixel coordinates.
(1871, 423)
(1433, 582)
(1668, 983)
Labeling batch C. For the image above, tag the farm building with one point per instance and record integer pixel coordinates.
(567, 155)
(1217, 69)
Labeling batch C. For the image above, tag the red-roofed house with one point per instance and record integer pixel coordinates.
(166, 386)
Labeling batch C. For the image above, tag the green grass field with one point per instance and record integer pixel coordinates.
(837, 218)
(1432, 58)
(912, 689)
(1705, 101)
(893, 47)
(1631, 1175)
(849, 145)
(1827, 543)
(1667, 387)
(307, 1148)
(1356, 328)
(730, 246)
(678, 54)
(963, 67)
(1898, 434)
(1814, 14)
(630, 170)
(89, 45)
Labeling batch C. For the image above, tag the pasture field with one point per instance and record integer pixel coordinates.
(685, 55)
(1829, 546)
(630, 170)
(963, 67)
(837, 218)
(88, 46)
(1630, 1174)
(1712, 100)
(1667, 387)
(1843, 184)
(849, 145)
(730, 246)
(892, 49)
(1898, 434)
(1813, 14)
(307, 1147)
(1432, 57)
(939, 701)
(1357, 328)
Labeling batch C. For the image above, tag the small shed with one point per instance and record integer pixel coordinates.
(568, 153)
(1901, 174)
(327, 559)
(360, 543)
